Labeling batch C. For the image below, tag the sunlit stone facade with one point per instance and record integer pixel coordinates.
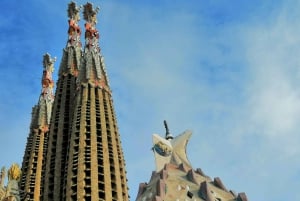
(77, 155)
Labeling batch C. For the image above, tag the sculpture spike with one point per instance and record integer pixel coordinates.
(168, 134)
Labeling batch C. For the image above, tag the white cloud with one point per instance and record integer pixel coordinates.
(274, 95)
(269, 130)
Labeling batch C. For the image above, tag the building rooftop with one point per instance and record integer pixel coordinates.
(174, 178)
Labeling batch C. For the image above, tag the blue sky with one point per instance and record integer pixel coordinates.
(227, 70)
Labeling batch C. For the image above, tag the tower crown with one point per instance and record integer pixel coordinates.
(89, 13)
(71, 60)
(48, 64)
(74, 17)
(73, 11)
(47, 98)
(92, 70)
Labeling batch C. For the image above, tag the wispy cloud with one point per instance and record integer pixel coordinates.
(236, 83)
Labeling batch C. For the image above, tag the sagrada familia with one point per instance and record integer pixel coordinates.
(73, 149)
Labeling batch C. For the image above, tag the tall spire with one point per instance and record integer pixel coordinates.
(93, 69)
(37, 141)
(95, 166)
(85, 158)
(63, 106)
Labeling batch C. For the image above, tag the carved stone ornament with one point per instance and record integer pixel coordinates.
(171, 151)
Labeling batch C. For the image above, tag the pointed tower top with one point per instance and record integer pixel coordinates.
(48, 62)
(70, 63)
(73, 10)
(74, 29)
(89, 13)
(92, 70)
(168, 134)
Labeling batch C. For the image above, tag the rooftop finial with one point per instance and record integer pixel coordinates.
(47, 97)
(89, 13)
(73, 10)
(168, 134)
(74, 29)
(48, 62)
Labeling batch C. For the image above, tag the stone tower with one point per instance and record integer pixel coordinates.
(174, 178)
(84, 156)
(37, 141)
(95, 162)
(57, 153)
